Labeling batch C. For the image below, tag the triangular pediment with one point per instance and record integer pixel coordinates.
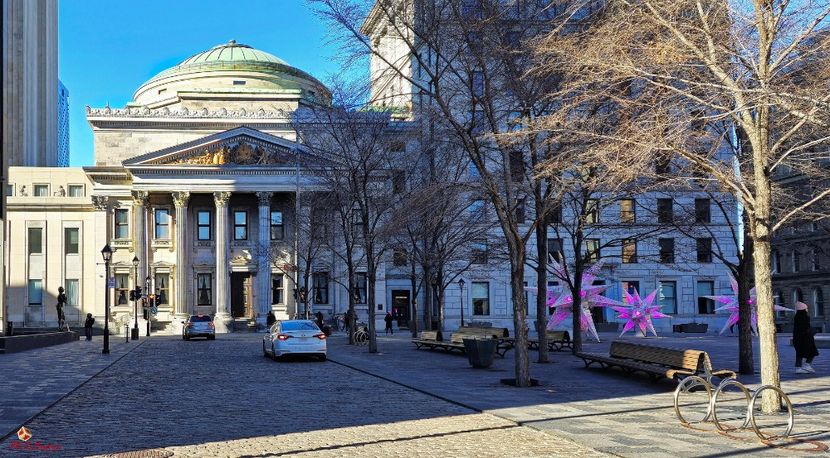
(241, 146)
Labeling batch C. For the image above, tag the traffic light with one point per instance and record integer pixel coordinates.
(137, 292)
(132, 295)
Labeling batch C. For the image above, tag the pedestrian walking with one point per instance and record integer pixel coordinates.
(59, 307)
(88, 326)
(319, 316)
(271, 319)
(388, 319)
(803, 340)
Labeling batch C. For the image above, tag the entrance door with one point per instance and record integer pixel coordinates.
(241, 301)
(400, 307)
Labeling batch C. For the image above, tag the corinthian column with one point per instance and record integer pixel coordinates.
(223, 317)
(180, 201)
(140, 199)
(264, 252)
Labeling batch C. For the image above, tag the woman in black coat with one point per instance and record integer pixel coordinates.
(803, 341)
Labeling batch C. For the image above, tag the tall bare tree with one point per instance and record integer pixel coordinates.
(760, 65)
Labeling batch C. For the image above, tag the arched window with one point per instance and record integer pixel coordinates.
(776, 262)
(818, 302)
(798, 296)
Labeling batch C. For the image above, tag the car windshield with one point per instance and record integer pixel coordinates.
(196, 318)
(299, 326)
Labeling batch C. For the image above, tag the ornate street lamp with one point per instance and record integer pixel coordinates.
(107, 254)
(136, 295)
(461, 287)
(147, 301)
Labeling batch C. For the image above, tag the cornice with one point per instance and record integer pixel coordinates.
(184, 113)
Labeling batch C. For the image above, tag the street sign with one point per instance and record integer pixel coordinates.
(154, 310)
(111, 282)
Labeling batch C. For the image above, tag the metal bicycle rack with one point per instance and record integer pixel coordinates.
(689, 383)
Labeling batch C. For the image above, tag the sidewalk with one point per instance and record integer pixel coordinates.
(608, 411)
(34, 380)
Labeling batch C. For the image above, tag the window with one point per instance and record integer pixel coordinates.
(41, 190)
(628, 213)
(662, 166)
(665, 211)
(705, 306)
(71, 240)
(122, 288)
(629, 251)
(361, 283)
(703, 213)
(666, 250)
(477, 84)
(477, 210)
(592, 211)
(240, 225)
(778, 298)
(35, 292)
(122, 224)
(10, 190)
(592, 250)
(667, 296)
(517, 166)
(73, 290)
(320, 287)
(472, 8)
(319, 224)
(76, 190)
(238, 82)
(555, 249)
(815, 259)
(480, 292)
(519, 213)
(704, 250)
(631, 286)
(796, 261)
(35, 240)
(478, 251)
(203, 225)
(163, 288)
(277, 226)
(277, 289)
(513, 39)
(162, 221)
(398, 181)
(399, 257)
(204, 292)
(554, 215)
(776, 262)
(818, 302)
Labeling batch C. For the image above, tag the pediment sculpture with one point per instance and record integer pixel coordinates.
(240, 153)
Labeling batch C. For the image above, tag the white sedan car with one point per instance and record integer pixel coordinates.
(294, 337)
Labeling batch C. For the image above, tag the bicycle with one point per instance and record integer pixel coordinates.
(361, 335)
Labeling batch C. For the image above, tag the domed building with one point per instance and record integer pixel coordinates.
(194, 181)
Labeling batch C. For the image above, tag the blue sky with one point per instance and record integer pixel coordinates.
(107, 48)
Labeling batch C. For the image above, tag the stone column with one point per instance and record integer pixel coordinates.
(223, 318)
(180, 199)
(140, 200)
(103, 219)
(263, 250)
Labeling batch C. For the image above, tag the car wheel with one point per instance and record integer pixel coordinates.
(322, 358)
(264, 351)
(211, 337)
(273, 352)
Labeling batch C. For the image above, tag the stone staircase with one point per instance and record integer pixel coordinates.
(243, 325)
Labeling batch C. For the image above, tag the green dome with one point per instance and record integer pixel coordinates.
(231, 52)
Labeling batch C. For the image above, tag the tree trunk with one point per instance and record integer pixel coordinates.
(577, 307)
(770, 372)
(428, 295)
(746, 362)
(413, 322)
(542, 288)
(522, 362)
(372, 268)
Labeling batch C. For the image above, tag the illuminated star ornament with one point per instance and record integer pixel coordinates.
(639, 312)
(730, 303)
(562, 301)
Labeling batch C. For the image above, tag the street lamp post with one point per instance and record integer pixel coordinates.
(107, 254)
(461, 287)
(136, 295)
(147, 301)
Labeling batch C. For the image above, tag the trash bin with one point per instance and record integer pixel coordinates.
(480, 352)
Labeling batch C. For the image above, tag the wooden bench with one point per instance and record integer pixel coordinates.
(433, 340)
(557, 341)
(656, 362)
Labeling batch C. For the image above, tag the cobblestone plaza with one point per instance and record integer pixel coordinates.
(223, 398)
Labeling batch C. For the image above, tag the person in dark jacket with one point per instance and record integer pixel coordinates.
(271, 319)
(803, 340)
(388, 319)
(88, 326)
(319, 316)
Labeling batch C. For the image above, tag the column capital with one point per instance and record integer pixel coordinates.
(264, 198)
(221, 198)
(180, 198)
(140, 198)
(101, 202)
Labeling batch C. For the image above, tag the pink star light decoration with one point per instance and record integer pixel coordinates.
(639, 312)
(590, 294)
(730, 303)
